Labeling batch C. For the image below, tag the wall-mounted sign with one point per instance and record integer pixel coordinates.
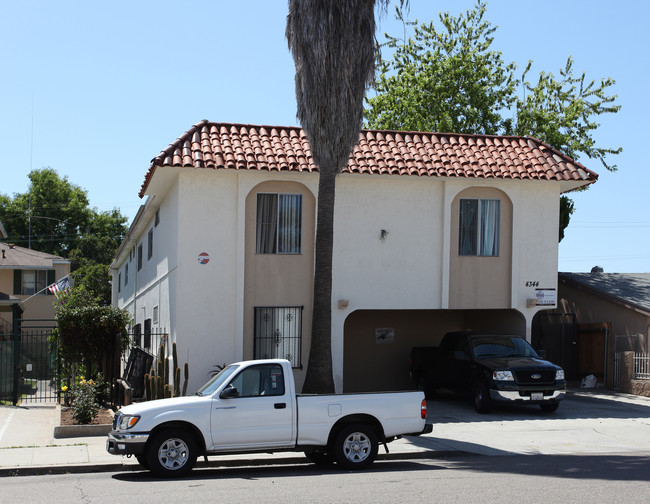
(546, 297)
(204, 258)
(384, 335)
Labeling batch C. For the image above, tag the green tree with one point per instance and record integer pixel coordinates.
(334, 52)
(89, 332)
(450, 80)
(54, 216)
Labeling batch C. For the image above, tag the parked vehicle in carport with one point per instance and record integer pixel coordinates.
(252, 406)
(490, 368)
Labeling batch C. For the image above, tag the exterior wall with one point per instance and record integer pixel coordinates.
(481, 282)
(592, 309)
(280, 279)
(393, 251)
(208, 298)
(412, 266)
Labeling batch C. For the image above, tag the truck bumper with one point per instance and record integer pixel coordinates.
(119, 443)
(515, 395)
(428, 429)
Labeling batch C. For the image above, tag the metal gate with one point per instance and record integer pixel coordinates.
(29, 366)
(557, 335)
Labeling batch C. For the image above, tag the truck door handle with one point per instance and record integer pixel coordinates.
(280, 405)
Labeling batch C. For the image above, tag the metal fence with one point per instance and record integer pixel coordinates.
(29, 367)
(31, 370)
(642, 366)
(139, 358)
(616, 379)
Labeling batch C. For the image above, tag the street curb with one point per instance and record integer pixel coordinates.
(217, 463)
(70, 431)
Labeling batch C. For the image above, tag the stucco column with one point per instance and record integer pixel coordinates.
(338, 343)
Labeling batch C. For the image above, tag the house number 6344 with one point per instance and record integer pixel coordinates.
(530, 283)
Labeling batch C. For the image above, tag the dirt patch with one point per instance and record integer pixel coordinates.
(104, 416)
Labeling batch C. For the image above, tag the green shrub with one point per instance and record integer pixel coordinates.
(84, 403)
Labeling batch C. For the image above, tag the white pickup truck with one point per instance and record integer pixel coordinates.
(252, 406)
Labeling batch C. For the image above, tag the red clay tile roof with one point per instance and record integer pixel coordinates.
(279, 148)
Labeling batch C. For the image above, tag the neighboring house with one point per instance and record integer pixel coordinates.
(610, 312)
(25, 275)
(433, 232)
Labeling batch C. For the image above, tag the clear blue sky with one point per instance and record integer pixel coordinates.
(95, 90)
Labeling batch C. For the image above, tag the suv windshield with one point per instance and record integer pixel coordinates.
(502, 346)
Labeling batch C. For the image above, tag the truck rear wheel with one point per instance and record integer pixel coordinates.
(355, 446)
(171, 453)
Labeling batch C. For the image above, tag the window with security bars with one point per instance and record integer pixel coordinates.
(278, 223)
(278, 333)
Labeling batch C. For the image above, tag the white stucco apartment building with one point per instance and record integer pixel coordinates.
(433, 232)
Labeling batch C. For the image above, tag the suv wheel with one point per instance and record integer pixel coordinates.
(481, 397)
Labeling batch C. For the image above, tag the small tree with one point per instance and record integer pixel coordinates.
(89, 333)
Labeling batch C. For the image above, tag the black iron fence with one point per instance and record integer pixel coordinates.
(140, 357)
(29, 367)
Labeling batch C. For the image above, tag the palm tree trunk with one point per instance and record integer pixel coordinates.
(319, 379)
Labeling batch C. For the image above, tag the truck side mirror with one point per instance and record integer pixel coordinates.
(542, 354)
(229, 392)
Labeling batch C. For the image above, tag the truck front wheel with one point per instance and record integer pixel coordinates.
(171, 453)
(549, 407)
(356, 446)
(481, 397)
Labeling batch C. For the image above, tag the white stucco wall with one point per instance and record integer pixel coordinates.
(203, 211)
(409, 268)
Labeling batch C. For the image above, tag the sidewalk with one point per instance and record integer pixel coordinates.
(587, 422)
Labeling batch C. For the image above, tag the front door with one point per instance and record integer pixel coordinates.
(259, 412)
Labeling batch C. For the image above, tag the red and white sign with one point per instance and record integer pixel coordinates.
(204, 258)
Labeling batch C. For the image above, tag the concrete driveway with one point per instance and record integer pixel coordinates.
(587, 422)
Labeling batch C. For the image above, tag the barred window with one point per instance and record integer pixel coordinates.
(279, 223)
(278, 333)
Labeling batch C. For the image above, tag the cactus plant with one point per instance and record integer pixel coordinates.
(157, 382)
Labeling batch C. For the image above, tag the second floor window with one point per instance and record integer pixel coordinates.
(479, 227)
(30, 282)
(279, 224)
(150, 244)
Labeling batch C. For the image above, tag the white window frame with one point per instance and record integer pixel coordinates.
(278, 228)
(482, 237)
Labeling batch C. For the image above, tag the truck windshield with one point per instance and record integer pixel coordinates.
(217, 380)
(502, 346)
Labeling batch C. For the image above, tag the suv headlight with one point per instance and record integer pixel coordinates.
(503, 376)
(127, 421)
(559, 374)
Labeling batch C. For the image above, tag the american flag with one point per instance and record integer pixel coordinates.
(60, 286)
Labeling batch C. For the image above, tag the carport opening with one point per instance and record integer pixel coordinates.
(377, 343)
